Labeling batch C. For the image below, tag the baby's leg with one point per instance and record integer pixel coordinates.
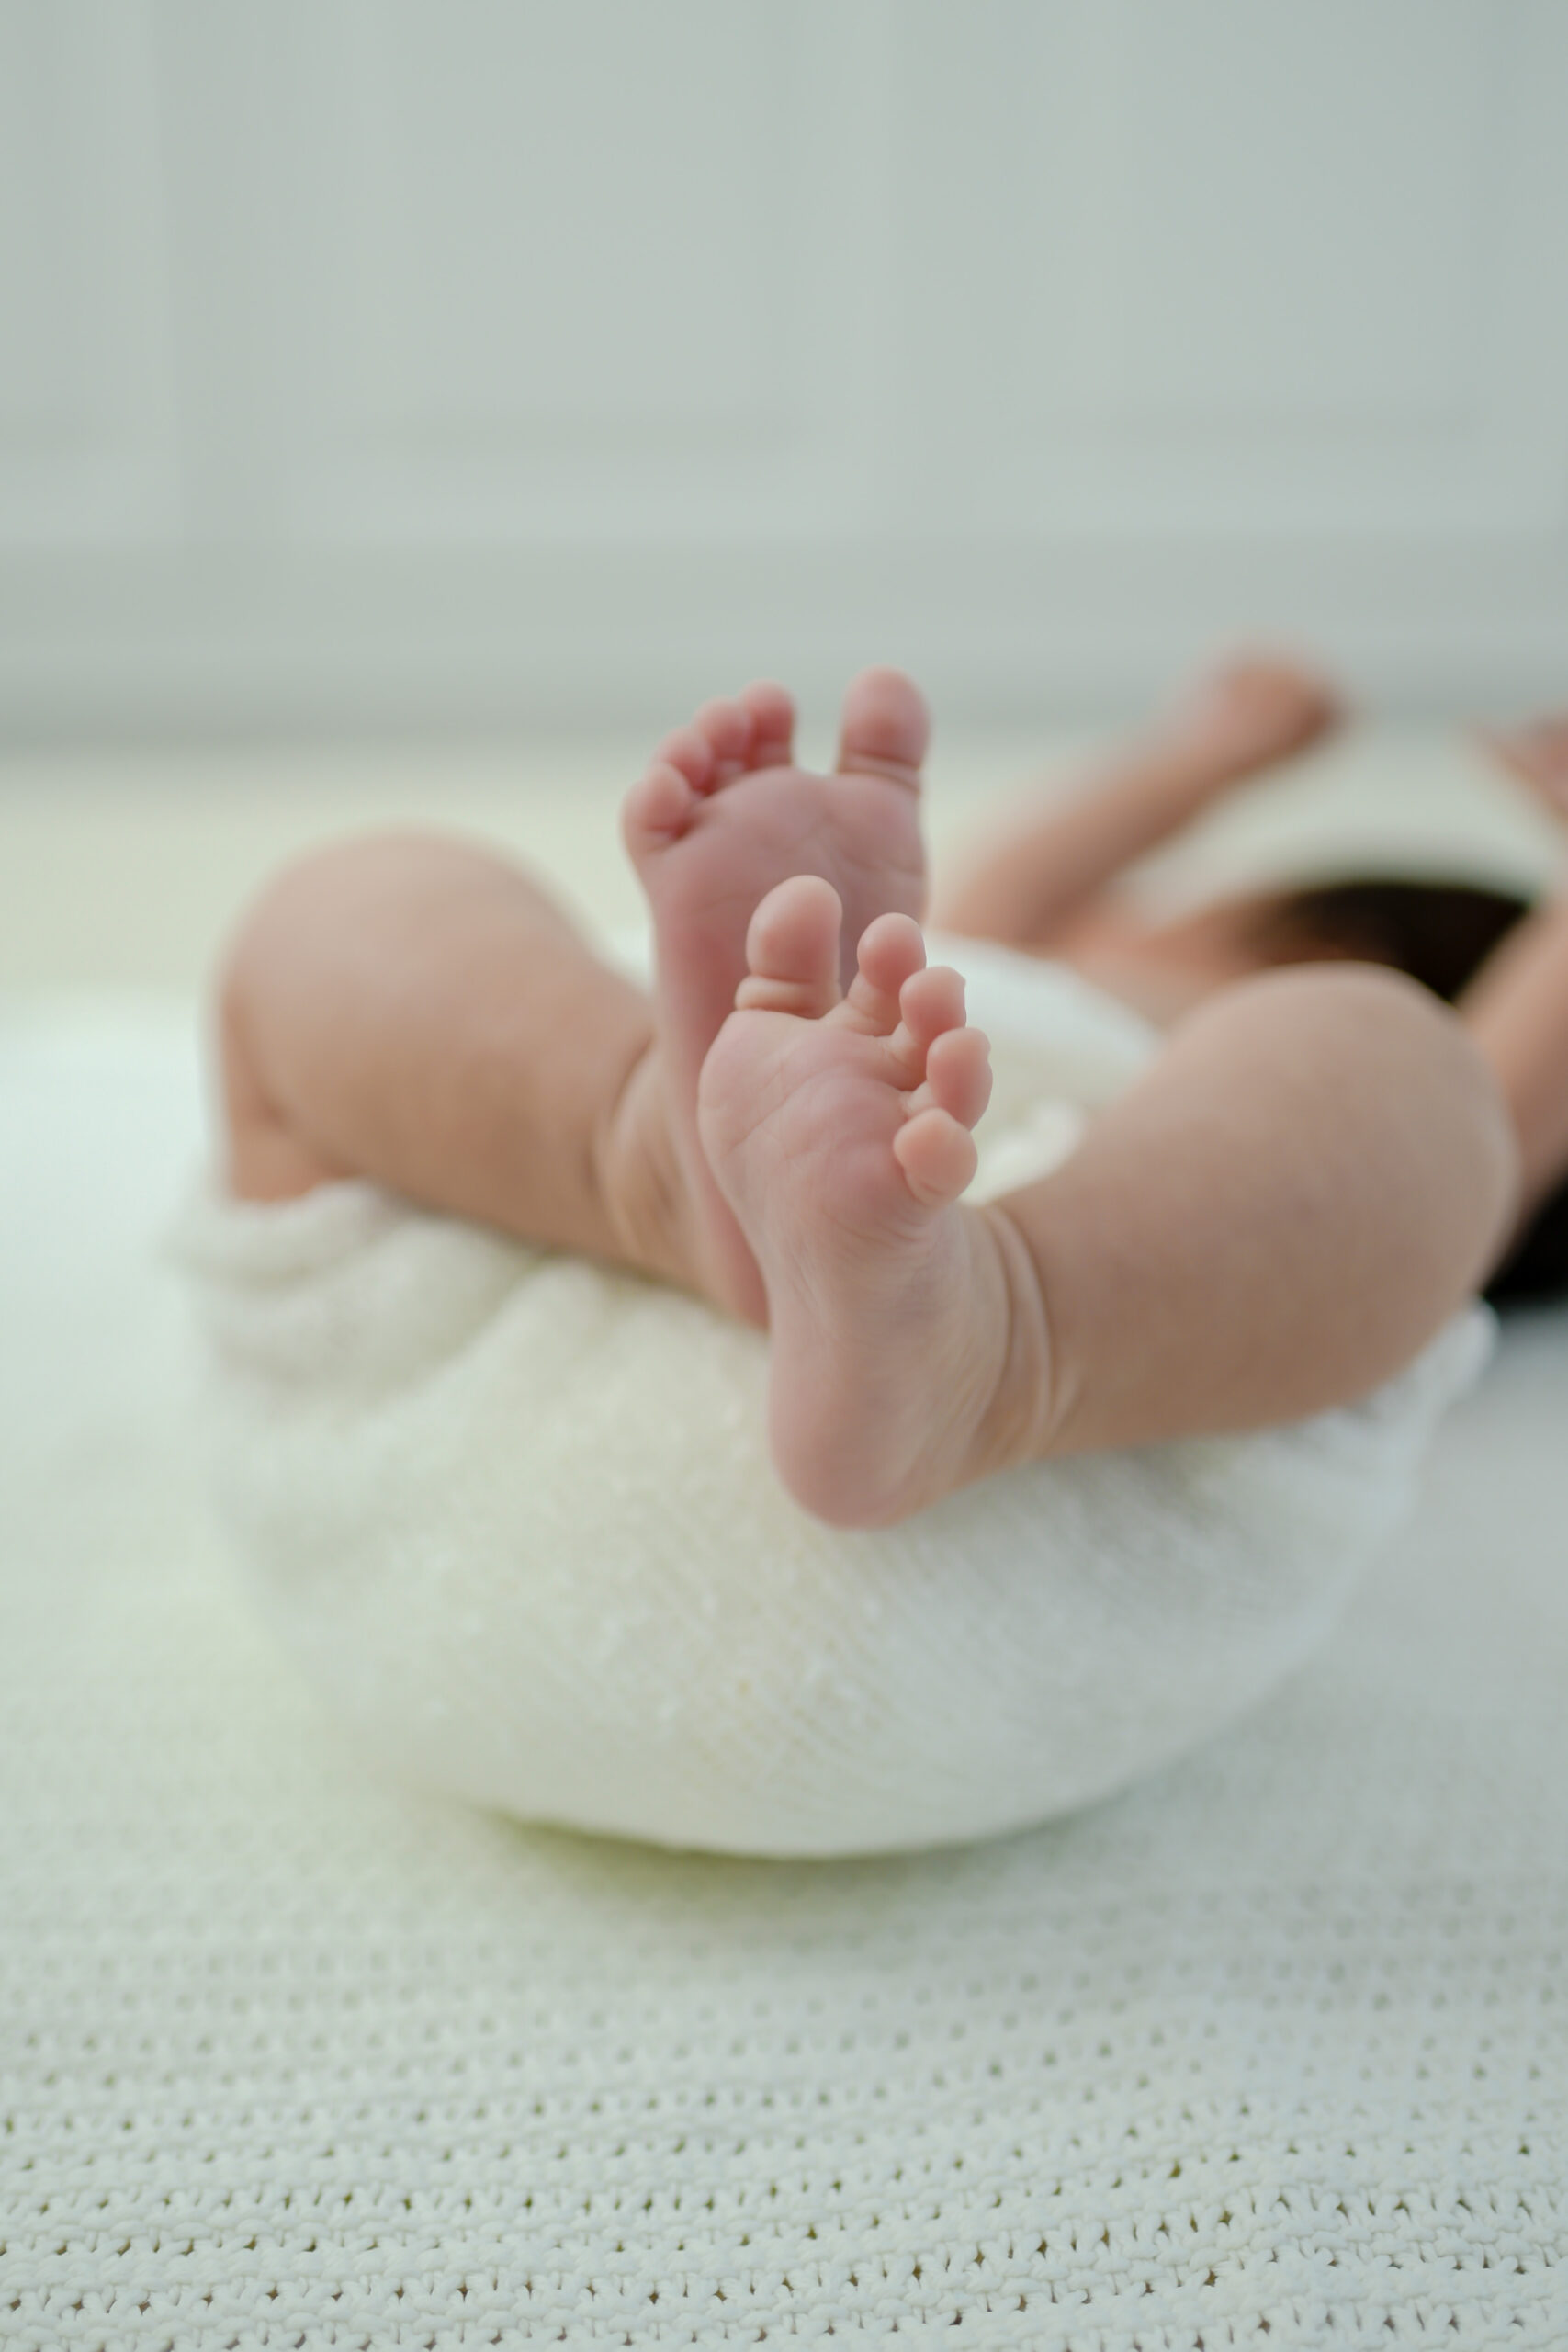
(1308, 1183)
(1313, 1177)
(417, 1011)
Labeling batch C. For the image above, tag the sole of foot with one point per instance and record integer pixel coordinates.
(723, 815)
(838, 1128)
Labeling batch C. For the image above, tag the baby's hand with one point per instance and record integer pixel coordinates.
(1251, 712)
(1536, 756)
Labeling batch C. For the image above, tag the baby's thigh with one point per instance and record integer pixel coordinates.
(299, 992)
(264, 1159)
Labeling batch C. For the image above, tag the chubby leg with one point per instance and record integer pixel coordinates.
(416, 1010)
(1309, 1182)
(1313, 1176)
(1048, 867)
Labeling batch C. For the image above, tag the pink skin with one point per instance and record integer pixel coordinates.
(1535, 755)
(1045, 880)
(418, 1012)
(838, 1128)
(1253, 709)
(720, 817)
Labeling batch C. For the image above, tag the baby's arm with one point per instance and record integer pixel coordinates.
(1049, 865)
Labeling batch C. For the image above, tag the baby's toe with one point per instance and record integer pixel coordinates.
(792, 948)
(656, 810)
(891, 951)
(687, 748)
(885, 728)
(958, 1075)
(930, 1003)
(771, 713)
(728, 728)
(937, 1155)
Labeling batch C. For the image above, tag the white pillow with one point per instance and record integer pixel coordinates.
(514, 1514)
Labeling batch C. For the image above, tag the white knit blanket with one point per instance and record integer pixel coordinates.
(515, 1516)
(1271, 2051)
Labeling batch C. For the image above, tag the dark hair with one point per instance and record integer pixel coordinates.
(1441, 933)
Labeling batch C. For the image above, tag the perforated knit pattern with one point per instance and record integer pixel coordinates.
(1271, 2051)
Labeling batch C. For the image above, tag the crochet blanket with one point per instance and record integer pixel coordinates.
(514, 1514)
(1270, 2050)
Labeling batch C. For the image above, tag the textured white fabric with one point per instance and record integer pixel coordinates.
(1270, 2051)
(514, 1514)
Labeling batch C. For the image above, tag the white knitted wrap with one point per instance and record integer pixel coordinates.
(515, 1515)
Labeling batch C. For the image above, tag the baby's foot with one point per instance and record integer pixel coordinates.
(1251, 712)
(1537, 755)
(722, 816)
(839, 1129)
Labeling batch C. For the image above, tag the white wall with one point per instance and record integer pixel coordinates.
(373, 360)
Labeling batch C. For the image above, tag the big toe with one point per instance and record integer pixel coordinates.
(886, 727)
(792, 949)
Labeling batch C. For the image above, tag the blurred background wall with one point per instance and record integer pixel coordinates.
(437, 363)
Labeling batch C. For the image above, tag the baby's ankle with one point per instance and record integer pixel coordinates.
(642, 1189)
(1031, 1401)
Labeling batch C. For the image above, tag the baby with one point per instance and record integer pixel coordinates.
(1312, 1175)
